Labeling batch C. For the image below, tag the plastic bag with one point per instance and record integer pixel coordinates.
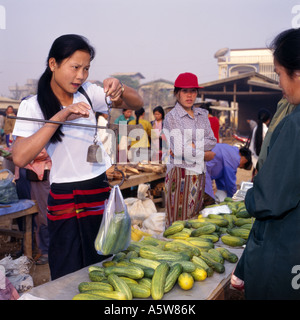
(8, 190)
(17, 272)
(143, 191)
(140, 208)
(155, 223)
(12, 267)
(218, 209)
(114, 234)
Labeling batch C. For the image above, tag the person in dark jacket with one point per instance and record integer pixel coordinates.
(270, 263)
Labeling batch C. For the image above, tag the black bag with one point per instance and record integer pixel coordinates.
(32, 176)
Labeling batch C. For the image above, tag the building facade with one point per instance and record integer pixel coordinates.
(237, 61)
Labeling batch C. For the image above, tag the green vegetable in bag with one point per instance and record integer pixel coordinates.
(115, 230)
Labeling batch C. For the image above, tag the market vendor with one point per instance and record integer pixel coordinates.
(223, 168)
(78, 188)
(185, 176)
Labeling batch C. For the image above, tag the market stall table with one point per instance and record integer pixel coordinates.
(135, 180)
(23, 208)
(212, 288)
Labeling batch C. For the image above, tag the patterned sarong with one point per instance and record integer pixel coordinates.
(184, 194)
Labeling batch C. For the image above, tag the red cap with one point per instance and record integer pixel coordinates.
(187, 80)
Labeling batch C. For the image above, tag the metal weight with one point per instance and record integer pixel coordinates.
(94, 154)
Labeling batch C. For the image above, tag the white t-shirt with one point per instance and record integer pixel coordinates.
(251, 146)
(69, 157)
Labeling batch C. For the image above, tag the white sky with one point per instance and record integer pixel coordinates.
(158, 38)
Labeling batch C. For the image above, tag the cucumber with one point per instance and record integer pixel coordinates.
(153, 264)
(139, 290)
(203, 265)
(181, 247)
(243, 214)
(239, 232)
(220, 222)
(107, 237)
(134, 247)
(227, 255)
(233, 241)
(154, 253)
(97, 268)
(96, 276)
(205, 244)
(209, 228)
(92, 296)
(218, 267)
(124, 237)
(187, 266)
(123, 263)
(100, 295)
(86, 286)
(174, 228)
(119, 256)
(189, 251)
(179, 235)
(133, 272)
(216, 255)
(247, 226)
(230, 218)
(174, 273)
(241, 221)
(198, 224)
(159, 280)
(108, 263)
(131, 254)
(146, 282)
(120, 285)
(148, 273)
(213, 237)
(128, 280)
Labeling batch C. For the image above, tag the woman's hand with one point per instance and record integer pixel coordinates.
(122, 96)
(73, 111)
(113, 88)
(209, 155)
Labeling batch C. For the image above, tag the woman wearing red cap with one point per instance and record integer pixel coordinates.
(190, 138)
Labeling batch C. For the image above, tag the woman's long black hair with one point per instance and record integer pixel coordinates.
(138, 113)
(62, 48)
(263, 116)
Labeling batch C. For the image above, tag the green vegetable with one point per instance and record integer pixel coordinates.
(159, 280)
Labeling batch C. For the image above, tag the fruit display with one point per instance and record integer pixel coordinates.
(190, 251)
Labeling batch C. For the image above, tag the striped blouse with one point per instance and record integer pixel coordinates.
(181, 130)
